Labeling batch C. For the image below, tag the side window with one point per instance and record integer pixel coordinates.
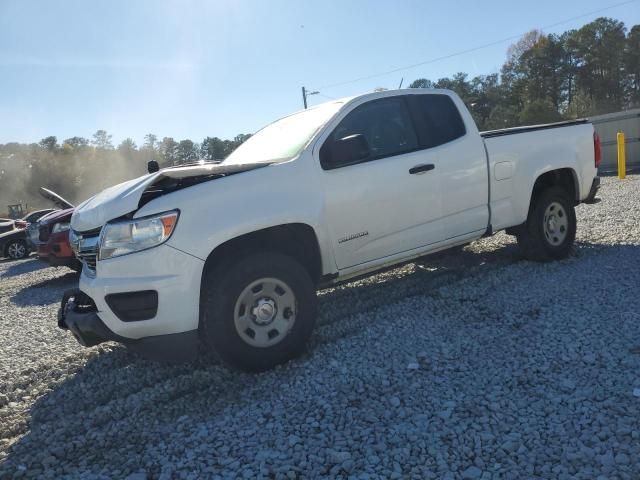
(386, 126)
(437, 119)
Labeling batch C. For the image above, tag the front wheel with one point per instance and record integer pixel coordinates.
(550, 229)
(259, 311)
(17, 249)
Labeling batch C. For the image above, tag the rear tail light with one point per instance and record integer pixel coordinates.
(597, 149)
(21, 224)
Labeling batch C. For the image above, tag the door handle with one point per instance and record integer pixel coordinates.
(420, 169)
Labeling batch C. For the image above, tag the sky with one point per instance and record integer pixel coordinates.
(191, 69)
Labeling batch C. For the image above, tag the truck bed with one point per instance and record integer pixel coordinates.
(515, 161)
(531, 128)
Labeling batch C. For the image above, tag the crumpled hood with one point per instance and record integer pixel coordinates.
(126, 197)
(110, 203)
(56, 199)
(56, 217)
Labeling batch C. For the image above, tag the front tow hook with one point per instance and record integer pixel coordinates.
(68, 303)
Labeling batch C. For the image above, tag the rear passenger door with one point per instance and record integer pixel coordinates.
(457, 151)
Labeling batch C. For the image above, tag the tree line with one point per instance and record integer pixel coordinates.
(167, 151)
(546, 77)
(77, 167)
(584, 72)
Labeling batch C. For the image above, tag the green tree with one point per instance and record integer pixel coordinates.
(101, 139)
(187, 151)
(632, 66)
(168, 150)
(49, 143)
(598, 48)
(150, 141)
(127, 147)
(458, 83)
(539, 111)
(513, 79)
(240, 139)
(213, 149)
(421, 83)
(502, 116)
(484, 96)
(76, 142)
(544, 72)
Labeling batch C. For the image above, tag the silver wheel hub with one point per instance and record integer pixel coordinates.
(16, 250)
(556, 224)
(265, 312)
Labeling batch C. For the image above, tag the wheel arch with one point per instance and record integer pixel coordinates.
(565, 178)
(298, 240)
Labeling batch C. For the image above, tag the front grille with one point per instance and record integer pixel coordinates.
(85, 245)
(43, 233)
(89, 259)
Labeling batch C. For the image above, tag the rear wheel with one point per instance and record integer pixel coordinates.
(550, 230)
(259, 311)
(17, 249)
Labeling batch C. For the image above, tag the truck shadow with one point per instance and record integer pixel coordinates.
(105, 392)
(46, 291)
(429, 274)
(418, 277)
(20, 267)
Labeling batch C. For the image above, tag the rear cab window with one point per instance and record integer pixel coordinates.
(437, 119)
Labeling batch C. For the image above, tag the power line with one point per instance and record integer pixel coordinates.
(306, 94)
(474, 49)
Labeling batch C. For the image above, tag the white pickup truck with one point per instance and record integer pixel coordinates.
(228, 256)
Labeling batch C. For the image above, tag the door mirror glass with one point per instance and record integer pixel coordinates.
(349, 150)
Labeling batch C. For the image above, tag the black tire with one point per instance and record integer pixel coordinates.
(222, 289)
(16, 249)
(535, 240)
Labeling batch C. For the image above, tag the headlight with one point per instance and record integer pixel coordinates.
(60, 227)
(121, 238)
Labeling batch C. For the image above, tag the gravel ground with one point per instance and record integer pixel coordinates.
(473, 365)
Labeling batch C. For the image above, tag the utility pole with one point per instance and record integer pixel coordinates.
(305, 94)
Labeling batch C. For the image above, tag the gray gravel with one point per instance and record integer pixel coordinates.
(477, 365)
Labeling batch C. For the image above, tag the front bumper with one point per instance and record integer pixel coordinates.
(148, 301)
(78, 314)
(173, 274)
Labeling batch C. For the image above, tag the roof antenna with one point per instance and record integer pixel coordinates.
(401, 80)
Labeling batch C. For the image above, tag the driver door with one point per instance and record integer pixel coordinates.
(387, 203)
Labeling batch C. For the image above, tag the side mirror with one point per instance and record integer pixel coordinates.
(153, 166)
(347, 151)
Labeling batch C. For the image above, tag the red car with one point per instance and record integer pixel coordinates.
(53, 236)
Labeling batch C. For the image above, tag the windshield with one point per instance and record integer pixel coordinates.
(285, 138)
